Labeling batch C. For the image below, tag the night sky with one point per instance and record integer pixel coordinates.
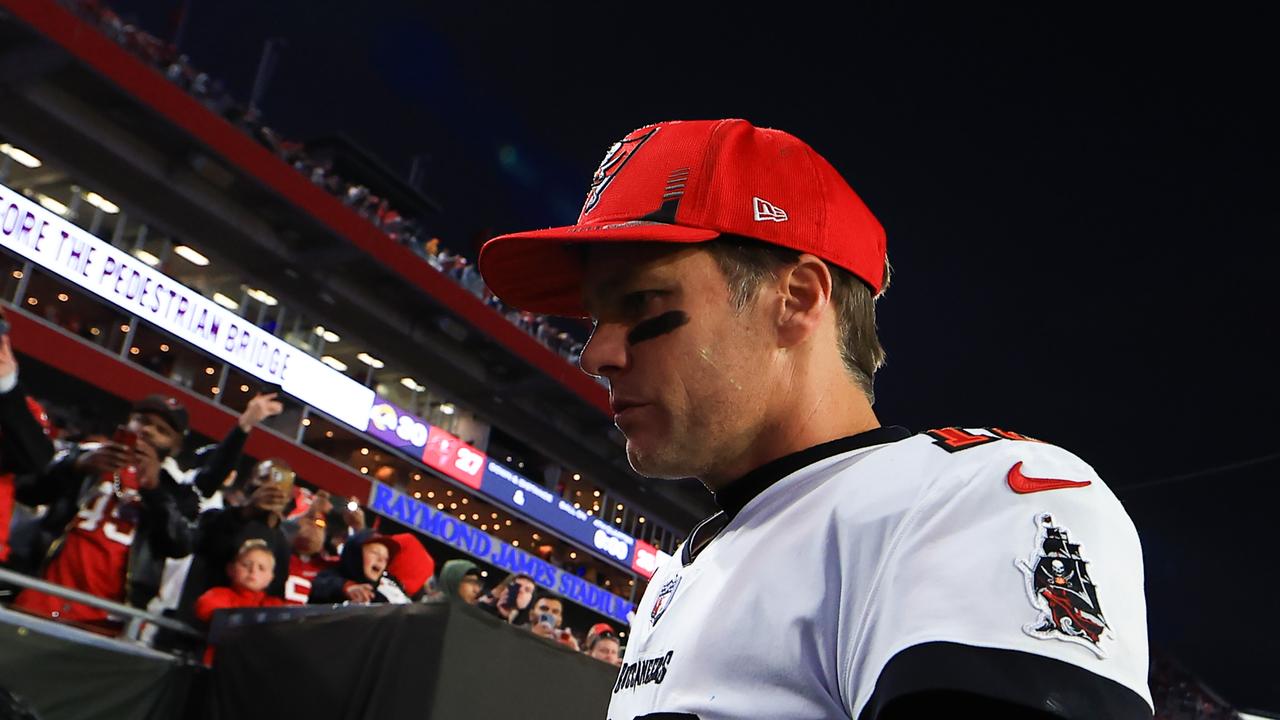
(1081, 208)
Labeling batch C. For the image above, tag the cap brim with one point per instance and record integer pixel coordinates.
(541, 271)
(392, 546)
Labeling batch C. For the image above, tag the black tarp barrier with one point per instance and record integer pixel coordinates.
(65, 673)
(441, 661)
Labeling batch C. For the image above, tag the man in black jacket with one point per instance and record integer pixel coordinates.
(131, 514)
(221, 532)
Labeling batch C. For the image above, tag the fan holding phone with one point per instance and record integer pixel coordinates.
(128, 513)
(545, 617)
(153, 433)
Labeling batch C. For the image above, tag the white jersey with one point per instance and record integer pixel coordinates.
(887, 564)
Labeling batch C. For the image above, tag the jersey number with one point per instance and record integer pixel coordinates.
(297, 589)
(953, 439)
(90, 515)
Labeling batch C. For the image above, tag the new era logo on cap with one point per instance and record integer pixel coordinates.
(766, 210)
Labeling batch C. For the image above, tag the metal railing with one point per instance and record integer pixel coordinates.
(136, 618)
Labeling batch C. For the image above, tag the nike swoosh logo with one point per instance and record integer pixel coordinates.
(1022, 484)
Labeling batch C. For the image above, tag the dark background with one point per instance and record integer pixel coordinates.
(1081, 208)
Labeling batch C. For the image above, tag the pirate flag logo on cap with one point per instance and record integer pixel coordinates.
(1059, 587)
(617, 157)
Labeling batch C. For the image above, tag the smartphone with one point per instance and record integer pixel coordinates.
(126, 437)
(282, 477)
(547, 619)
(513, 591)
(4, 326)
(268, 388)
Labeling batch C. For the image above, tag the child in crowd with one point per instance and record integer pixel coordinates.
(250, 573)
(361, 575)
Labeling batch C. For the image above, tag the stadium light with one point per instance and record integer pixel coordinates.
(328, 335)
(262, 296)
(23, 157)
(146, 257)
(412, 384)
(51, 204)
(101, 203)
(225, 301)
(190, 255)
(447, 408)
(334, 363)
(370, 360)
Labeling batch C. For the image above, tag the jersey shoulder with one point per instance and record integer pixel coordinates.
(1000, 467)
(953, 457)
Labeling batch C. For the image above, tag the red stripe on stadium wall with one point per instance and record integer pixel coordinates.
(150, 88)
(106, 371)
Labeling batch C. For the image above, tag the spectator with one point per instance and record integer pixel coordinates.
(361, 574)
(215, 470)
(545, 617)
(25, 448)
(233, 495)
(209, 478)
(411, 565)
(461, 580)
(603, 644)
(249, 574)
(132, 514)
(343, 524)
(302, 502)
(508, 599)
(222, 533)
(308, 559)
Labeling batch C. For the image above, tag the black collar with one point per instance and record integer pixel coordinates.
(738, 493)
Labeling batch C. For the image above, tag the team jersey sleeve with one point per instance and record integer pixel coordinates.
(1015, 578)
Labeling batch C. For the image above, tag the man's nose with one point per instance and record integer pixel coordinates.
(606, 351)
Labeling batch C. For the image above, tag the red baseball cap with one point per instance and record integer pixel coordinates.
(689, 182)
(387, 541)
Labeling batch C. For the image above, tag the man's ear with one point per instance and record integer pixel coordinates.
(805, 290)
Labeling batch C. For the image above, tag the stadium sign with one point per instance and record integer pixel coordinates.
(439, 524)
(62, 248)
(473, 468)
(516, 492)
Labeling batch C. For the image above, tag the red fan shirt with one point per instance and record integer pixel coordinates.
(6, 513)
(93, 554)
(302, 571)
(221, 598)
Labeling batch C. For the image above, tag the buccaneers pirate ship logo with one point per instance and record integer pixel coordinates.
(1059, 587)
(617, 156)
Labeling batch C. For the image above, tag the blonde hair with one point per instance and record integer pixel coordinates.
(255, 545)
